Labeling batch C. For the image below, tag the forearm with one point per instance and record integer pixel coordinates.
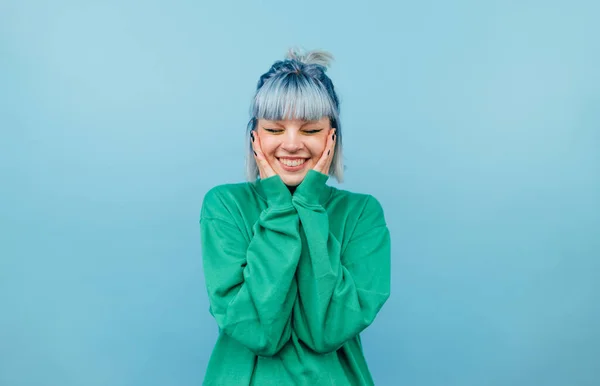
(339, 291)
(251, 283)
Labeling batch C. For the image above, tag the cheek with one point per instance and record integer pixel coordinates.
(317, 146)
(268, 145)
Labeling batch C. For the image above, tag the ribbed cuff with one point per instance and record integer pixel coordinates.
(276, 192)
(312, 187)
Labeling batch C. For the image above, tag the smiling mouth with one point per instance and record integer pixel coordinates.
(292, 162)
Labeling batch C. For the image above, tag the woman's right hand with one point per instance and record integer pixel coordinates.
(264, 168)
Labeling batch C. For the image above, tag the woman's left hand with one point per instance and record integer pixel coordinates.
(324, 163)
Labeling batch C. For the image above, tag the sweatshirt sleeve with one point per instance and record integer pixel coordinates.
(250, 283)
(339, 292)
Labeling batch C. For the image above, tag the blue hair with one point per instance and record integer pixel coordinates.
(297, 88)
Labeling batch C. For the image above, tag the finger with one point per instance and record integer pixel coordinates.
(330, 152)
(325, 160)
(258, 155)
(256, 159)
(321, 164)
(261, 160)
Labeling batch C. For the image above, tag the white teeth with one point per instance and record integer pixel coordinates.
(292, 163)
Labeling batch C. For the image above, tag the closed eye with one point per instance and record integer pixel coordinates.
(276, 131)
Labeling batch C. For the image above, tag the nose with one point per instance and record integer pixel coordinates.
(292, 142)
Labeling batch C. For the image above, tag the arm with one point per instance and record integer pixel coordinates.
(339, 295)
(251, 284)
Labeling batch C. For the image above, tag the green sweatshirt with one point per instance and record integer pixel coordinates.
(292, 281)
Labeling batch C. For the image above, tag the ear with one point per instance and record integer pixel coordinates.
(252, 124)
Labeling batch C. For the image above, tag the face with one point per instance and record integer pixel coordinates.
(293, 147)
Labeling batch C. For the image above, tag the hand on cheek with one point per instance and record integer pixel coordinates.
(324, 162)
(264, 168)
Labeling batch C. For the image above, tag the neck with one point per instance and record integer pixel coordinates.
(291, 188)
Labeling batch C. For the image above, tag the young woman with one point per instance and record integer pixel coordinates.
(295, 269)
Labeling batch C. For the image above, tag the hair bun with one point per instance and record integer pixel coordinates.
(320, 57)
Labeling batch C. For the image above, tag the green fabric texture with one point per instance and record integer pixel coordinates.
(292, 281)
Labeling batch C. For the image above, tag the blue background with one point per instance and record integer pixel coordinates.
(476, 124)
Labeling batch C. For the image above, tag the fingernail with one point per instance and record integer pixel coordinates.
(255, 153)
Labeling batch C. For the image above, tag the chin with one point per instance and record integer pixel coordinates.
(293, 181)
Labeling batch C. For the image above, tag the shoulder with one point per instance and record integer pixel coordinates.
(221, 200)
(364, 205)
